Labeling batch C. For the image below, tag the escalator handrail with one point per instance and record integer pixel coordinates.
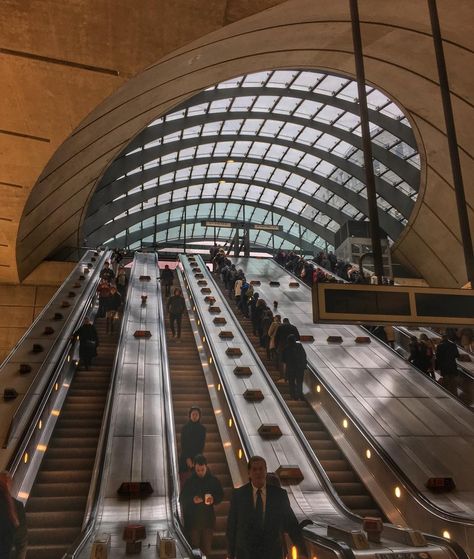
(96, 488)
(233, 409)
(40, 316)
(317, 467)
(54, 372)
(170, 428)
(371, 440)
(59, 351)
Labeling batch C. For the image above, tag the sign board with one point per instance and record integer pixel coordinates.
(242, 225)
(379, 304)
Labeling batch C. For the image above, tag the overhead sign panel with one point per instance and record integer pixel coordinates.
(378, 304)
(242, 225)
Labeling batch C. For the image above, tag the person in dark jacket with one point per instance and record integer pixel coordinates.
(294, 358)
(107, 273)
(13, 531)
(167, 277)
(200, 493)
(446, 355)
(111, 306)
(88, 342)
(176, 306)
(259, 514)
(193, 439)
(281, 340)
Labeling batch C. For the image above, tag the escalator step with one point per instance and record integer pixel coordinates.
(58, 476)
(46, 551)
(54, 464)
(61, 535)
(60, 489)
(56, 518)
(58, 497)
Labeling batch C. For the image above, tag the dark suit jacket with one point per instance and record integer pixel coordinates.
(246, 540)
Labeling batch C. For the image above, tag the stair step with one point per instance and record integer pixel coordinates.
(60, 489)
(58, 476)
(55, 518)
(61, 535)
(56, 499)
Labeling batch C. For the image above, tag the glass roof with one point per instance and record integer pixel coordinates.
(278, 147)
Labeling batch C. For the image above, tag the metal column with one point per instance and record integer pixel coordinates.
(366, 141)
(466, 237)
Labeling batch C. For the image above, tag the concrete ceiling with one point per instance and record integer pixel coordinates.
(62, 62)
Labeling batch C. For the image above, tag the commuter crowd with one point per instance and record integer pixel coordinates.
(111, 293)
(325, 267)
(260, 512)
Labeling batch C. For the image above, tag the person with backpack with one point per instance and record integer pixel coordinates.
(294, 358)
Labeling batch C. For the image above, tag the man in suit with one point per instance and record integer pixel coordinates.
(259, 515)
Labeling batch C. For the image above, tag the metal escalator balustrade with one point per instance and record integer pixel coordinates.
(76, 291)
(320, 542)
(465, 386)
(345, 480)
(56, 505)
(418, 508)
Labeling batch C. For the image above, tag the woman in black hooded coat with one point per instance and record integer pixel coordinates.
(193, 438)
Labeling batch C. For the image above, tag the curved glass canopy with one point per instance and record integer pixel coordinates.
(276, 147)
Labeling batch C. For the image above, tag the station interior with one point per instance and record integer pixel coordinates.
(304, 159)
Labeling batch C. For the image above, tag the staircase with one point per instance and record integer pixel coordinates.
(344, 479)
(56, 506)
(189, 387)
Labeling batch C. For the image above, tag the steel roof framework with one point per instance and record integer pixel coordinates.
(280, 145)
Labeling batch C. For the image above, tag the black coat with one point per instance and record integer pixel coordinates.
(198, 516)
(281, 336)
(193, 438)
(113, 302)
(176, 304)
(294, 357)
(7, 530)
(167, 276)
(88, 340)
(246, 540)
(446, 355)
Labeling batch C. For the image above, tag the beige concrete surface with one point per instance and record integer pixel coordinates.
(21, 304)
(97, 47)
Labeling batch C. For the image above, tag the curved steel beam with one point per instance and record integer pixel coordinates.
(397, 199)
(392, 125)
(108, 230)
(391, 226)
(147, 231)
(111, 209)
(403, 169)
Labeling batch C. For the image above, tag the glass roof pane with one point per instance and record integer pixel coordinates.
(241, 140)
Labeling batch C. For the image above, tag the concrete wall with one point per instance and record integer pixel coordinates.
(20, 304)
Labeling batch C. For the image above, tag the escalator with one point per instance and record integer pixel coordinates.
(56, 506)
(188, 387)
(345, 480)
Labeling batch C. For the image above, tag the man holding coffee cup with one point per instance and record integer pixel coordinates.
(200, 493)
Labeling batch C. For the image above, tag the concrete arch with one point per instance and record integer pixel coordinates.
(399, 60)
